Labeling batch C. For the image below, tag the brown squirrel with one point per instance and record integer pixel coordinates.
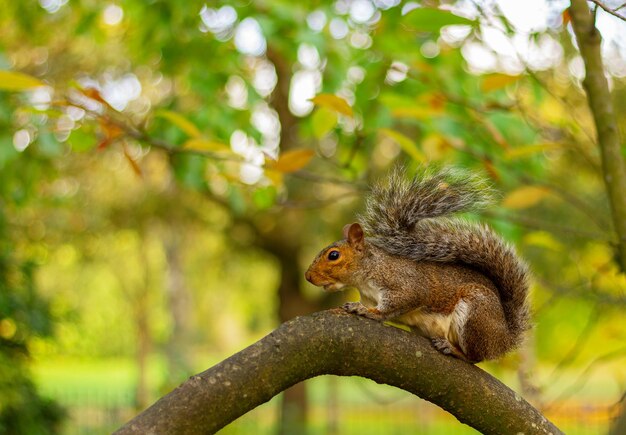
(455, 282)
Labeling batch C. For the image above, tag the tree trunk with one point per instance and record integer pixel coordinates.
(601, 105)
(334, 342)
(294, 404)
(142, 351)
(178, 301)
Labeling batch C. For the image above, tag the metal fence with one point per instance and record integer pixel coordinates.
(337, 407)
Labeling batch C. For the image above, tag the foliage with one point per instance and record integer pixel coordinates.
(241, 135)
(23, 316)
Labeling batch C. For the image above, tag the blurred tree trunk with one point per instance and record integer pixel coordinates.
(284, 244)
(601, 105)
(144, 344)
(178, 302)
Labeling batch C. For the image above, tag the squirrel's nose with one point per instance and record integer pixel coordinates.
(307, 275)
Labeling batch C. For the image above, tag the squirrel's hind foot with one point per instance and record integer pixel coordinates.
(447, 348)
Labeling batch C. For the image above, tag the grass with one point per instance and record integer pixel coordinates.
(100, 396)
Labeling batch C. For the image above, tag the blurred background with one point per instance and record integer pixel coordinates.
(169, 169)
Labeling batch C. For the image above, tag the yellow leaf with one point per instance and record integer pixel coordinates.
(199, 144)
(524, 197)
(527, 150)
(435, 146)
(292, 161)
(275, 177)
(543, 239)
(333, 102)
(397, 325)
(17, 81)
(408, 145)
(419, 113)
(179, 121)
(497, 81)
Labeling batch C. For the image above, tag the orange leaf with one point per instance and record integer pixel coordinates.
(292, 161)
(94, 94)
(437, 101)
(333, 102)
(110, 131)
(566, 17)
(491, 170)
(133, 164)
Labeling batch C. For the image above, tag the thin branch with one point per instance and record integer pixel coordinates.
(609, 10)
(583, 377)
(575, 350)
(536, 224)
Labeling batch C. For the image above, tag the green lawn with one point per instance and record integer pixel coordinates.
(100, 397)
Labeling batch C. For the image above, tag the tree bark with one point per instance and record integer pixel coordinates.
(601, 105)
(334, 342)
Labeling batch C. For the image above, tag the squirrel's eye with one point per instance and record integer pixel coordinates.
(333, 255)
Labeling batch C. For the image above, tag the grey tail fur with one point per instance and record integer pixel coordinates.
(409, 218)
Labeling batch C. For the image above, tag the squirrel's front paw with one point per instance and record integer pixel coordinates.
(361, 310)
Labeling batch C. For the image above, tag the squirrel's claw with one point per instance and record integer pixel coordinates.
(447, 348)
(361, 310)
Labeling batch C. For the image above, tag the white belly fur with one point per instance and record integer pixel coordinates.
(434, 325)
(370, 294)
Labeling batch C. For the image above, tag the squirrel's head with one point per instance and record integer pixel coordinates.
(335, 266)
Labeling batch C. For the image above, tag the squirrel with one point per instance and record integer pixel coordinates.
(455, 282)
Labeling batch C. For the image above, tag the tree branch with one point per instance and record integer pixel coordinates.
(601, 105)
(609, 10)
(333, 342)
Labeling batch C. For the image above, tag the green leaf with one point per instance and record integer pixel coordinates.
(264, 197)
(432, 20)
(17, 81)
(405, 143)
(323, 121)
(82, 139)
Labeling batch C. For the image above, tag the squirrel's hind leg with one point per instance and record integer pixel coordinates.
(485, 334)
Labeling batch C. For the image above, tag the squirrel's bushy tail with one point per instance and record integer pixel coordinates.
(409, 219)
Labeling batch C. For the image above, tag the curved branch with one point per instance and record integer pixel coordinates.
(333, 342)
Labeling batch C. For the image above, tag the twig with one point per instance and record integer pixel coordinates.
(583, 377)
(609, 10)
(548, 226)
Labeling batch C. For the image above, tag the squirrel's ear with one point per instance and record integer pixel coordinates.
(354, 234)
